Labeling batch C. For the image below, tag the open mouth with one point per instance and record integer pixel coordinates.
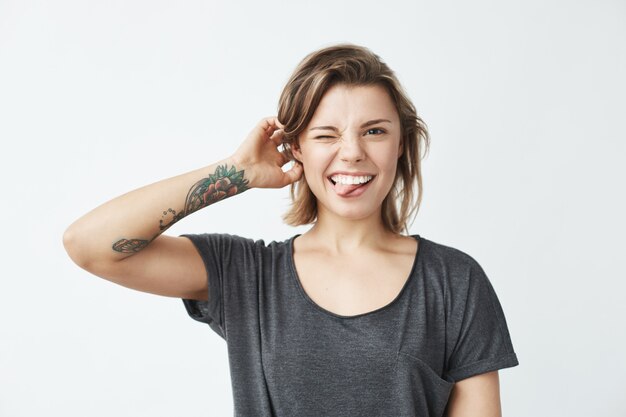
(331, 180)
(350, 190)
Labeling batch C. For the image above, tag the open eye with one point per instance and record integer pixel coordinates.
(376, 129)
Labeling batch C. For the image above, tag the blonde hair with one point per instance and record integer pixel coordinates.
(352, 65)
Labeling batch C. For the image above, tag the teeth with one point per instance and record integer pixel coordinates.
(351, 179)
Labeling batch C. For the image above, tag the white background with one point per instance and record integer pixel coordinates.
(525, 104)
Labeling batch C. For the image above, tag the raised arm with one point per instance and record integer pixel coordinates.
(121, 240)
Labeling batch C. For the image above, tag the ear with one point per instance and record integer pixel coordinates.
(295, 150)
(400, 148)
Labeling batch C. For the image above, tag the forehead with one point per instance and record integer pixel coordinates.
(341, 102)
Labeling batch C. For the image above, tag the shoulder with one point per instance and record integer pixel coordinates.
(449, 263)
(439, 253)
(460, 279)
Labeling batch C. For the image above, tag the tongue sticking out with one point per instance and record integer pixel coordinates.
(346, 189)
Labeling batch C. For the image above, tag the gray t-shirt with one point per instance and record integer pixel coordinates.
(288, 356)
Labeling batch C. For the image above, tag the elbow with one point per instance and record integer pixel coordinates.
(72, 247)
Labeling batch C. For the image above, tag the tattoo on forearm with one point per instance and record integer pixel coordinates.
(222, 184)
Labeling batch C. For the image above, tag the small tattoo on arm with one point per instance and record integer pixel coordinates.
(130, 245)
(173, 218)
(222, 184)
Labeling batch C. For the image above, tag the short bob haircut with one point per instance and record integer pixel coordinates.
(352, 65)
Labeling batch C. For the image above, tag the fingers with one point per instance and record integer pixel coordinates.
(270, 124)
(270, 121)
(277, 137)
(272, 128)
(293, 175)
(283, 157)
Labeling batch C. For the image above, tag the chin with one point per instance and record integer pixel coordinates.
(352, 213)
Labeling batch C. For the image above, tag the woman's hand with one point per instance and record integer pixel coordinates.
(260, 159)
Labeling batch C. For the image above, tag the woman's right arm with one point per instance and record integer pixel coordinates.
(122, 240)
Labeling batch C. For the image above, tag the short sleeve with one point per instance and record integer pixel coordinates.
(231, 273)
(477, 333)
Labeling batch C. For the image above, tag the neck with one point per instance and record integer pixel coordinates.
(345, 236)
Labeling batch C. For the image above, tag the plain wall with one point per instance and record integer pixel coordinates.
(525, 105)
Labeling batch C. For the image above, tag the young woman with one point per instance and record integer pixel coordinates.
(353, 317)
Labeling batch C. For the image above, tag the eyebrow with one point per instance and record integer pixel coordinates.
(366, 124)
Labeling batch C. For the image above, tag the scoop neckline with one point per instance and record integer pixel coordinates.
(303, 293)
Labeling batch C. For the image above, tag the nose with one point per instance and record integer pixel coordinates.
(351, 148)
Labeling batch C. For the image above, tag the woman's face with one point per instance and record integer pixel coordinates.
(353, 137)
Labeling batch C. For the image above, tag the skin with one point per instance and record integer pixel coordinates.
(477, 396)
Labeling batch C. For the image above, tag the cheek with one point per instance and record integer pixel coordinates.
(386, 158)
(315, 159)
